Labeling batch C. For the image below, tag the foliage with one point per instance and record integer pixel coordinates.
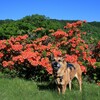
(25, 25)
(94, 23)
(93, 33)
(96, 52)
(29, 57)
(94, 74)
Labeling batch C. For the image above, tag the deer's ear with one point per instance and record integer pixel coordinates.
(51, 58)
(63, 58)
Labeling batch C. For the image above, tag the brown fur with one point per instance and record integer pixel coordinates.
(67, 75)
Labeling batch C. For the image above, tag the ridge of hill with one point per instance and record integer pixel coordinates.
(25, 25)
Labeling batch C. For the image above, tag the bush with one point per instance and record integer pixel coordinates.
(30, 58)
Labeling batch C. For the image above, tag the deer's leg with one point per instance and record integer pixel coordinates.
(63, 88)
(79, 78)
(70, 85)
(59, 89)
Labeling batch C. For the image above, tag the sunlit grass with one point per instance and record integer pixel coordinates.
(20, 89)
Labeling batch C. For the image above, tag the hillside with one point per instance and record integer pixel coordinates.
(70, 40)
(28, 23)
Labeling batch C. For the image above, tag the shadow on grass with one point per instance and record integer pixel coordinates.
(46, 86)
(53, 87)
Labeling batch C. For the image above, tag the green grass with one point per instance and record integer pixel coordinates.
(19, 89)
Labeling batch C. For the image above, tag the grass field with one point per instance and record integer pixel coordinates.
(19, 89)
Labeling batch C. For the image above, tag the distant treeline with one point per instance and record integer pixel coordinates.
(25, 25)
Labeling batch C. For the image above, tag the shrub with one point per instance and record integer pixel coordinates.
(31, 58)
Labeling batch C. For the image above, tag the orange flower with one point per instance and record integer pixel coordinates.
(7, 63)
(2, 44)
(49, 69)
(68, 25)
(91, 61)
(79, 35)
(39, 29)
(70, 32)
(33, 62)
(81, 47)
(84, 55)
(17, 47)
(28, 54)
(83, 68)
(79, 23)
(84, 33)
(73, 45)
(18, 58)
(1, 55)
(71, 58)
(44, 62)
(19, 38)
(60, 33)
(84, 21)
(76, 51)
(86, 46)
(72, 49)
(56, 52)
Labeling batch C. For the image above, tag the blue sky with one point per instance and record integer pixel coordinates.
(58, 9)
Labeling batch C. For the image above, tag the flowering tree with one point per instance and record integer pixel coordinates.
(96, 52)
(95, 73)
(17, 51)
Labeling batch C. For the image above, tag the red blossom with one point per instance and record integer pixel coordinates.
(20, 38)
(69, 25)
(28, 46)
(71, 58)
(91, 61)
(17, 47)
(84, 21)
(81, 48)
(28, 54)
(84, 55)
(70, 33)
(42, 47)
(18, 58)
(33, 62)
(72, 49)
(83, 68)
(1, 55)
(7, 63)
(41, 39)
(60, 33)
(73, 25)
(74, 45)
(76, 51)
(86, 46)
(38, 29)
(44, 62)
(71, 41)
(84, 33)
(49, 69)
(12, 40)
(79, 23)
(2, 44)
(56, 52)
(78, 35)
